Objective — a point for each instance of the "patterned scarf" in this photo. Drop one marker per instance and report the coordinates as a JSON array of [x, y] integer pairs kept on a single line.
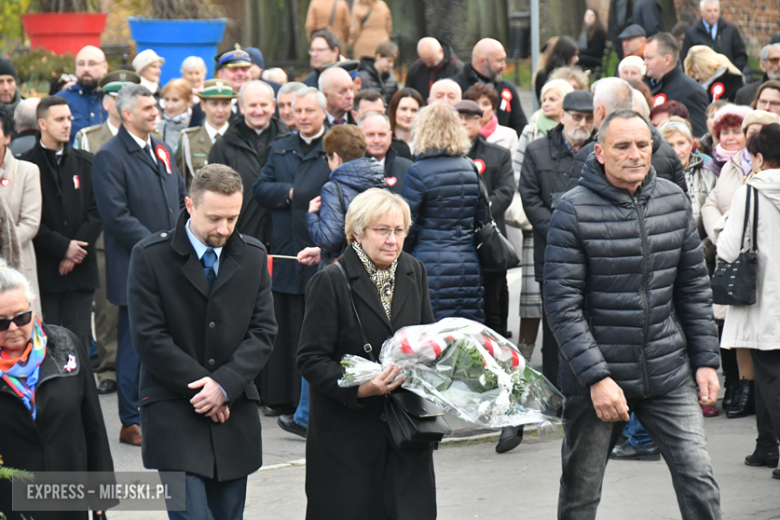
[[23, 378], [384, 280]]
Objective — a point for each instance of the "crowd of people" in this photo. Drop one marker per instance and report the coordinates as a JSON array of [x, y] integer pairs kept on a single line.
[[237, 235]]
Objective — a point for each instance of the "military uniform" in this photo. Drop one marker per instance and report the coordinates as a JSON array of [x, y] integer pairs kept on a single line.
[[92, 138]]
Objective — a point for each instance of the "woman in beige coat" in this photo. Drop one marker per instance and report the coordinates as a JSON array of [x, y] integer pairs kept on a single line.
[[20, 188], [372, 24], [320, 14]]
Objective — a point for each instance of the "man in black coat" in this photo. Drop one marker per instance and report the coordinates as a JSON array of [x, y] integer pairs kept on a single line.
[[294, 174], [138, 191], [436, 61], [770, 65], [70, 223], [621, 15], [245, 148], [488, 61], [668, 82], [649, 14], [203, 325], [615, 94], [718, 34], [325, 50], [628, 297], [379, 137], [546, 175]]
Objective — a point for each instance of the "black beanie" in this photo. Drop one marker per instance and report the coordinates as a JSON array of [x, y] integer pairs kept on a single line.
[[7, 68]]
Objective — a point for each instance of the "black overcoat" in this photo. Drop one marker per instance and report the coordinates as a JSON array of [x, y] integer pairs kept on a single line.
[[348, 440], [68, 433], [182, 332], [69, 213], [495, 166], [136, 198]]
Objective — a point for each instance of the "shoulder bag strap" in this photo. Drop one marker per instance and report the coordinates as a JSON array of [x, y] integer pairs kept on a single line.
[[365, 18], [746, 218], [755, 219], [333, 13], [341, 197], [366, 345]]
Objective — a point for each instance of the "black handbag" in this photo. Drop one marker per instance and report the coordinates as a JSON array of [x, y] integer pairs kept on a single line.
[[496, 254], [414, 421], [735, 283]]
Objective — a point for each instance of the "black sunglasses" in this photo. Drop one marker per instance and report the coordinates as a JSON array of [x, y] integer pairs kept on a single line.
[[20, 319]]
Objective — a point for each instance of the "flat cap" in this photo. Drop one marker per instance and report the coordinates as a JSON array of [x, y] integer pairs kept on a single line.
[[468, 107], [579, 101], [632, 31]]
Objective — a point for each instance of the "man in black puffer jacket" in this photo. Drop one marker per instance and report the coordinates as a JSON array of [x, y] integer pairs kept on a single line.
[[628, 298]]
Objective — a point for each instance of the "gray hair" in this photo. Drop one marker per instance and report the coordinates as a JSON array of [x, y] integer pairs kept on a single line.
[[373, 113], [613, 94], [765, 51], [620, 114], [191, 62], [705, 2], [319, 96], [670, 127], [291, 87], [447, 81], [127, 97], [274, 74], [24, 114], [639, 98], [11, 279], [256, 83], [328, 75]]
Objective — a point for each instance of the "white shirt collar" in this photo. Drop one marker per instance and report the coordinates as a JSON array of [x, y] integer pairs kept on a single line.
[[308, 140], [114, 130], [382, 162], [142, 144], [201, 248], [61, 150], [213, 132]]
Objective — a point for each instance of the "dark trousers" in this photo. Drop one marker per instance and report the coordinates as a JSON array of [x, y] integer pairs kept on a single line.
[[72, 310], [728, 360], [549, 348], [767, 381], [209, 499], [106, 317], [280, 381], [127, 371], [496, 301], [674, 422]]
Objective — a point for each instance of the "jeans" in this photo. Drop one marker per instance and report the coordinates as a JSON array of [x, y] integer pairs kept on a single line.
[[127, 371], [676, 424], [209, 499], [302, 412], [636, 433]]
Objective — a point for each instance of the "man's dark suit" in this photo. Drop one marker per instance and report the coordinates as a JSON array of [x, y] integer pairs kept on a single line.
[[136, 198], [184, 331]]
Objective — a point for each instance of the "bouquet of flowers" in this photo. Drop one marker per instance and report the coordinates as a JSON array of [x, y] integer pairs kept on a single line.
[[467, 369]]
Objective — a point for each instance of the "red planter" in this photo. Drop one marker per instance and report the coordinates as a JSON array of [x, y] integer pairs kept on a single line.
[[61, 33]]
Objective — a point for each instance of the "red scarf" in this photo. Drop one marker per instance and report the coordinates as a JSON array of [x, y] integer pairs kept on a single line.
[[490, 127]]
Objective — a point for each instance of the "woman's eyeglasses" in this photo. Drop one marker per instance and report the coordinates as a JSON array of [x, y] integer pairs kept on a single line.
[[20, 320], [386, 232]]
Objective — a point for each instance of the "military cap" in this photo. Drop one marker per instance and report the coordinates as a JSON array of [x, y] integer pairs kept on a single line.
[[216, 89], [113, 82], [236, 57]]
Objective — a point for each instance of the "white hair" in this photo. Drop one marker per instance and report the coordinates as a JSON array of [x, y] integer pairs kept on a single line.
[[191, 62], [319, 96], [765, 51], [447, 81], [613, 94], [258, 83], [24, 114], [639, 99], [371, 114], [331, 73], [274, 74], [11, 279], [705, 2], [291, 87], [632, 61]]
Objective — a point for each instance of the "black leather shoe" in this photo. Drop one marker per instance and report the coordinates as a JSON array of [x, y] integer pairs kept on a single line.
[[626, 451], [745, 400], [762, 458], [510, 438], [288, 424], [107, 386], [776, 474], [729, 398]]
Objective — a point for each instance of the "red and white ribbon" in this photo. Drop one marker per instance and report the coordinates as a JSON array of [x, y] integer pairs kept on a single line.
[[163, 155], [506, 101]]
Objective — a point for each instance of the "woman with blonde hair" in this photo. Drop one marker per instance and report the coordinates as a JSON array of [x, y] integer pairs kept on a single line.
[[372, 24], [719, 77], [442, 189]]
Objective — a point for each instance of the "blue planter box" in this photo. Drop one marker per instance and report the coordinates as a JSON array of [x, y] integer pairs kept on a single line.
[[176, 40]]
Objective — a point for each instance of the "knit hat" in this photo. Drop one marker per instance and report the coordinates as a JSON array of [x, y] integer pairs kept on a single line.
[[7, 68], [146, 58], [729, 115], [759, 117], [257, 56]]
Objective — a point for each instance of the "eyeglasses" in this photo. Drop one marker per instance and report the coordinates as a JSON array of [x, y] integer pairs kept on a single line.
[[386, 232], [89, 63], [763, 104], [20, 319], [318, 51], [579, 117], [773, 61]]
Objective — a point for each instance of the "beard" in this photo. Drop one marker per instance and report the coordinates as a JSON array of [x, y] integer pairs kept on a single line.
[[578, 136], [216, 241], [88, 83]]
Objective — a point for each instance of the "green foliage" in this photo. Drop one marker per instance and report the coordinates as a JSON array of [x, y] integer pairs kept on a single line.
[[11, 12], [38, 68], [176, 9], [64, 6]]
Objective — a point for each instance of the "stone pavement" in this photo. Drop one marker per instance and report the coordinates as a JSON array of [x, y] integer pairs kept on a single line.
[[475, 482]]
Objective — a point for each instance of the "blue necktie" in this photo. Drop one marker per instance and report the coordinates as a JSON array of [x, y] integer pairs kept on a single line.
[[208, 260]]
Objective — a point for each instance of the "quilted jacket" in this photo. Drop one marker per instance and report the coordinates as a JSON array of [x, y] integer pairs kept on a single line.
[[443, 194], [626, 289]]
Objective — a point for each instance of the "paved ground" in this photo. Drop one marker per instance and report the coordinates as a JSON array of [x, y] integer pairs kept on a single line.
[[475, 482]]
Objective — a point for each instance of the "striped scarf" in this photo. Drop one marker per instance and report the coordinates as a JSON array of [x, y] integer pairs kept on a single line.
[[384, 280], [22, 374]]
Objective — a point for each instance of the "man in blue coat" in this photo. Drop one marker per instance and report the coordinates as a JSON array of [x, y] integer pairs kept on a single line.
[[139, 191], [85, 98], [294, 174]]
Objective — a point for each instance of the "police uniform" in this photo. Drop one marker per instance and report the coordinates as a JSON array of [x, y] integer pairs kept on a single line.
[[192, 151]]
